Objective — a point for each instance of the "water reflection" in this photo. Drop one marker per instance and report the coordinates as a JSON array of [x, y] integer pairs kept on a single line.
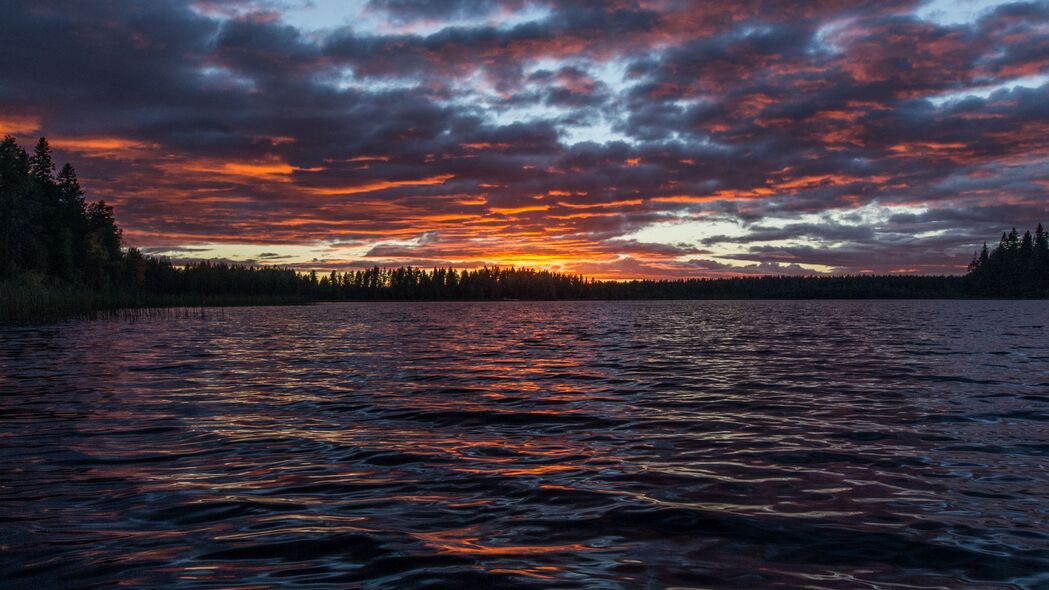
[[614, 445]]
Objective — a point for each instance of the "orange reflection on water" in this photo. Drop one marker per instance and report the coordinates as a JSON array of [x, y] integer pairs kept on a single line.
[[541, 572], [462, 541], [537, 470]]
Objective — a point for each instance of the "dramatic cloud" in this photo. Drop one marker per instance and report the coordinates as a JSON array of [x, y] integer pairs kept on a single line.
[[617, 138]]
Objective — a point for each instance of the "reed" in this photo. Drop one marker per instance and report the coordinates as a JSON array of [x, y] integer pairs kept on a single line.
[[27, 303]]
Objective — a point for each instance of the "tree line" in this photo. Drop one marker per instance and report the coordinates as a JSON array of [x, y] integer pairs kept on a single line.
[[46, 225], [494, 283], [53, 238], [1017, 267]]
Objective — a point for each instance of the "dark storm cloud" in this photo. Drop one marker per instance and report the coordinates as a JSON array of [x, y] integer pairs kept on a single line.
[[574, 29], [171, 249], [548, 140], [411, 10], [826, 232]]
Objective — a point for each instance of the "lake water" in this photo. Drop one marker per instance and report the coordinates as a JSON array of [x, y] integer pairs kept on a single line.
[[710, 444]]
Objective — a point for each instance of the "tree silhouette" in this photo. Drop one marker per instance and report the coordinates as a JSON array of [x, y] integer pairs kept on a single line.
[[48, 229], [16, 208], [41, 166], [1018, 267]]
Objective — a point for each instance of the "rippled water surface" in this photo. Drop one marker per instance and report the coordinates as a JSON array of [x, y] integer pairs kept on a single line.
[[559, 445]]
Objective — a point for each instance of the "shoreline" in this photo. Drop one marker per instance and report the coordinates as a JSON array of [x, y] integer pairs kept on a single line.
[[72, 305]]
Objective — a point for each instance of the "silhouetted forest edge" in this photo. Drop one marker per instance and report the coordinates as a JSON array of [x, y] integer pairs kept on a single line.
[[62, 256]]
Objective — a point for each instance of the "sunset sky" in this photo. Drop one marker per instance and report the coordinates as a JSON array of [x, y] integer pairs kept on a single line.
[[655, 138]]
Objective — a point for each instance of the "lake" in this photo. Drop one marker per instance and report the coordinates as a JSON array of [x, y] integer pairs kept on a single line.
[[710, 444]]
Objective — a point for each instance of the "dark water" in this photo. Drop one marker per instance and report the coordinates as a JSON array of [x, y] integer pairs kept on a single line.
[[558, 445]]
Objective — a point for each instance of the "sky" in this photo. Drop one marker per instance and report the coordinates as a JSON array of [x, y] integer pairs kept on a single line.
[[614, 138]]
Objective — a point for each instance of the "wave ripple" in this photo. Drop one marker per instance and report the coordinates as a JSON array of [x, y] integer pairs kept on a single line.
[[513, 445]]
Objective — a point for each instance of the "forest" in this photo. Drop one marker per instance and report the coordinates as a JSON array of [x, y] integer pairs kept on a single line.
[[1018, 267], [61, 254]]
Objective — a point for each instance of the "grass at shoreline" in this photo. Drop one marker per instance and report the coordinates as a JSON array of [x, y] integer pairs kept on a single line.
[[36, 302], [25, 304]]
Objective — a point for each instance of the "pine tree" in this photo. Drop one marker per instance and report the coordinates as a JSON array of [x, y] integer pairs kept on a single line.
[[1041, 260], [101, 245], [16, 210], [1026, 248], [1026, 281], [41, 166], [72, 219], [69, 190]]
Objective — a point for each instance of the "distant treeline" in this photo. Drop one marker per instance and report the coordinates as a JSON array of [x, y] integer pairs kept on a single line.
[[1018, 267], [496, 283], [60, 253]]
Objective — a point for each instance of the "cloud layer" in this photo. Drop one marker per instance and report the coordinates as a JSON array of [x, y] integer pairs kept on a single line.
[[652, 138]]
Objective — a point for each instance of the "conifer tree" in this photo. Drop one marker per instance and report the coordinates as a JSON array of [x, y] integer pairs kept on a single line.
[[41, 166], [69, 190], [15, 207], [1041, 259]]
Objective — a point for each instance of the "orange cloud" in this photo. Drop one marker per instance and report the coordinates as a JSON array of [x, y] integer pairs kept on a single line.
[[380, 185], [513, 210], [723, 195], [102, 147], [597, 205], [925, 147], [18, 124], [485, 146], [270, 168]]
